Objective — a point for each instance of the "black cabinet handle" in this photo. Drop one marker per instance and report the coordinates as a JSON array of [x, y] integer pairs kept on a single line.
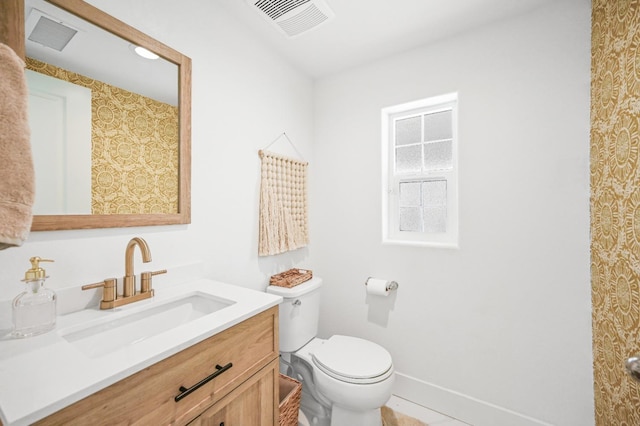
[[185, 392]]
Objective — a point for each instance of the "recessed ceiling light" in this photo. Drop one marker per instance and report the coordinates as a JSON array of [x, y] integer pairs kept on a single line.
[[145, 53]]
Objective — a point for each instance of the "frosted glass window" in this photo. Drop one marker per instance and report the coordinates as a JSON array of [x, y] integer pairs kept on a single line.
[[435, 219], [438, 155], [437, 126], [409, 130], [434, 193], [409, 159], [410, 194], [410, 219], [423, 206], [420, 173]]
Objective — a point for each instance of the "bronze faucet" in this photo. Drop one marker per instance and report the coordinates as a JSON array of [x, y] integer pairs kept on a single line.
[[129, 280], [110, 297]]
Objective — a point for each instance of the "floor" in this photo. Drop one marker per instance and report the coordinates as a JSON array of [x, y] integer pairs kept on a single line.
[[430, 417]]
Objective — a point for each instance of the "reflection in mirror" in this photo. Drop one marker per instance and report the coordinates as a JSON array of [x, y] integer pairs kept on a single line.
[[161, 166], [105, 139]]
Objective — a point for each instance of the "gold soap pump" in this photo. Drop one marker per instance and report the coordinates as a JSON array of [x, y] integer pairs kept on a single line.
[[34, 310]]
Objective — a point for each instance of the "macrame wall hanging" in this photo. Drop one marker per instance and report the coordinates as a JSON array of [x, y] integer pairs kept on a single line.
[[283, 203]]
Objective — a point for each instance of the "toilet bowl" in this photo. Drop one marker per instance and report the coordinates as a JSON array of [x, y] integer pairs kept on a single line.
[[345, 380], [353, 374]]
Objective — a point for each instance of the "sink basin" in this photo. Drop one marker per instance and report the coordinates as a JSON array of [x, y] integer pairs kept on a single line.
[[113, 334]]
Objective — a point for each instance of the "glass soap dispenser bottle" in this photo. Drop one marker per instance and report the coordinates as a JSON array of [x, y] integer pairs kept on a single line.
[[34, 310]]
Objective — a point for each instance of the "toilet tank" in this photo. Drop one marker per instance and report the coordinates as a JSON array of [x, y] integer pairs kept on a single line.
[[299, 313]]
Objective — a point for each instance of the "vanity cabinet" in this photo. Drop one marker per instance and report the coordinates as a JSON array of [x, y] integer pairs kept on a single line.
[[249, 404], [243, 392]]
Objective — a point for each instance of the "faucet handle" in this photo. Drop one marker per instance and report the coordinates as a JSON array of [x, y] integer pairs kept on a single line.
[[109, 292], [145, 280]]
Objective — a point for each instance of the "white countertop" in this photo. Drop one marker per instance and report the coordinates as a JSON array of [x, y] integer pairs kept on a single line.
[[43, 374]]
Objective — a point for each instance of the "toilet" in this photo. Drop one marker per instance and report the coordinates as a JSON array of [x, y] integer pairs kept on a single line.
[[345, 380]]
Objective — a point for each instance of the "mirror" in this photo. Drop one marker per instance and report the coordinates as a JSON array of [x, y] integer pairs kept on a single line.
[[101, 184]]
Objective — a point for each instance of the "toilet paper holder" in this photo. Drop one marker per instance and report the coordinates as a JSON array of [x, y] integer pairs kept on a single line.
[[391, 285]]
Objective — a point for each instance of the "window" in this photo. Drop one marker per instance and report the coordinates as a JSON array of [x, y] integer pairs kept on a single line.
[[420, 188]]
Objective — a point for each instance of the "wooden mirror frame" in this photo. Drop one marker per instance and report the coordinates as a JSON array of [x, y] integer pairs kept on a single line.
[[12, 34]]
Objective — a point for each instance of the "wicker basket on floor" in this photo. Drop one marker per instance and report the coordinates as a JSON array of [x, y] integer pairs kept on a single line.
[[290, 392], [291, 278]]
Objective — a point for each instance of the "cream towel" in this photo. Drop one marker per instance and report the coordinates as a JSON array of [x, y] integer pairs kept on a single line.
[[17, 181]]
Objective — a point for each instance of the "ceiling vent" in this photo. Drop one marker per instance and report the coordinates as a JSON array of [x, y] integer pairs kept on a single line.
[[48, 31], [293, 17]]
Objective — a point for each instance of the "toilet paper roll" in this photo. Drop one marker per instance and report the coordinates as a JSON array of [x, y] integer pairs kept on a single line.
[[377, 287]]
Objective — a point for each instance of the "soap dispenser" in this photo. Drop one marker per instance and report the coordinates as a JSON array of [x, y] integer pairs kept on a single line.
[[34, 310]]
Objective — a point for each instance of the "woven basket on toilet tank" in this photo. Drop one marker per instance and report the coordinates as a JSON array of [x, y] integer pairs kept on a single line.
[[291, 278]]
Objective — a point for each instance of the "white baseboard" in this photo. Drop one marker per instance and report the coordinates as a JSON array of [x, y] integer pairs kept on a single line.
[[455, 404]]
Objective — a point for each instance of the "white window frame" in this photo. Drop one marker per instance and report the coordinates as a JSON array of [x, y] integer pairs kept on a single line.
[[391, 233]]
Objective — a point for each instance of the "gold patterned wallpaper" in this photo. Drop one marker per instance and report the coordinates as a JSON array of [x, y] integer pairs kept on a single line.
[[134, 148], [615, 207]]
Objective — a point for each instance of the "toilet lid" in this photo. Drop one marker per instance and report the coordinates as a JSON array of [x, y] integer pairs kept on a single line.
[[353, 360]]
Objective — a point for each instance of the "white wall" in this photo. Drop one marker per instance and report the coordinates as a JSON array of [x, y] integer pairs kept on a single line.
[[243, 97], [497, 332]]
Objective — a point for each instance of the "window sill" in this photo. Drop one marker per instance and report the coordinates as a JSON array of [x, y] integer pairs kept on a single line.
[[426, 244]]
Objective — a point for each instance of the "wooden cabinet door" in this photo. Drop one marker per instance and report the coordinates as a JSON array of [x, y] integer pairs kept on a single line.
[[252, 403]]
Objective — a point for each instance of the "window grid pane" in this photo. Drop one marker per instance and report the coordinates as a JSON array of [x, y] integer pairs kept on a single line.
[[422, 206], [434, 132], [437, 126], [434, 193], [438, 155], [435, 219], [410, 194], [410, 219], [409, 159], [408, 131]]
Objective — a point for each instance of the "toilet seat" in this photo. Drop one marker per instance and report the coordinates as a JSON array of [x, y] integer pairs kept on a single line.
[[353, 360]]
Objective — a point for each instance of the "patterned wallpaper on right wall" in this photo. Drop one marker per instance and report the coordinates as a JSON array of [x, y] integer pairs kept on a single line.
[[615, 207]]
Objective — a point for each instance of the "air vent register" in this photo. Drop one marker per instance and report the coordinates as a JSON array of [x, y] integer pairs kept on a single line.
[[293, 17]]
